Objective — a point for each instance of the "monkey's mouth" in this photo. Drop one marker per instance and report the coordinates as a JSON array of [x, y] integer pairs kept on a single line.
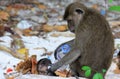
[[72, 28]]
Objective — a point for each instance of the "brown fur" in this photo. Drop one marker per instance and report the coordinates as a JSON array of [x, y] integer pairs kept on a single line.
[[94, 43]]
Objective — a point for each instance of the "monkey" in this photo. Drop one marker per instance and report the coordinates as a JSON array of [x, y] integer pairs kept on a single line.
[[63, 49], [93, 45], [42, 65]]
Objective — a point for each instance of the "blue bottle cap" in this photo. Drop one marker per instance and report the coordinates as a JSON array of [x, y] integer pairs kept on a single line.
[[65, 48], [103, 12]]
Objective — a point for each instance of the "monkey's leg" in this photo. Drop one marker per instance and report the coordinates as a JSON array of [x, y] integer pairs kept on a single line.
[[67, 59]]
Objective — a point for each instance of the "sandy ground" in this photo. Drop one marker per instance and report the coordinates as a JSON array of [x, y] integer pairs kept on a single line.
[[32, 42]]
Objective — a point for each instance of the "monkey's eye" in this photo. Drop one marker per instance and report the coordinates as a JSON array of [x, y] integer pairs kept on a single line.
[[79, 11]]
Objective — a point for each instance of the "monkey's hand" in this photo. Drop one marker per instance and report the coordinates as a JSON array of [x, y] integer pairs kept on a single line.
[[50, 72]]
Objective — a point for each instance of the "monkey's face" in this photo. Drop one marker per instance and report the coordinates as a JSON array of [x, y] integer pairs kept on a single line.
[[74, 19], [42, 65], [74, 14]]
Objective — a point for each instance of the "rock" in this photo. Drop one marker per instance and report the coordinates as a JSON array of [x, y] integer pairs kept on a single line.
[[38, 19], [24, 13], [24, 24]]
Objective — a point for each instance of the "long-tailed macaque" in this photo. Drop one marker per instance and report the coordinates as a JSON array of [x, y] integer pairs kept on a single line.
[[42, 65], [93, 45]]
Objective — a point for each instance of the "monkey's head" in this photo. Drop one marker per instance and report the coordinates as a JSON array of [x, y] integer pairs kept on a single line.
[[74, 13], [42, 65]]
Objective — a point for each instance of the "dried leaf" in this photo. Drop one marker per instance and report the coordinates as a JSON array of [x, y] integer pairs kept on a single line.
[[47, 53], [48, 28], [23, 51], [27, 32], [65, 34], [14, 8], [63, 73], [61, 28], [34, 63], [2, 30], [4, 15], [28, 65], [11, 77], [114, 23], [14, 11], [18, 31], [41, 6], [38, 48], [17, 43], [12, 52], [95, 6], [18, 6], [24, 66], [117, 71], [117, 35]]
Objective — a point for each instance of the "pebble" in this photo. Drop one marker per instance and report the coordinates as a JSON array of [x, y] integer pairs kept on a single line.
[[24, 24], [38, 19]]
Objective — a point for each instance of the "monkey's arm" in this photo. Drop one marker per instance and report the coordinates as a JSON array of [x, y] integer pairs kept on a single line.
[[67, 59]]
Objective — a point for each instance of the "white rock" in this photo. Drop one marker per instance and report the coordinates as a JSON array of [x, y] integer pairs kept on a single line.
[[24, 24]]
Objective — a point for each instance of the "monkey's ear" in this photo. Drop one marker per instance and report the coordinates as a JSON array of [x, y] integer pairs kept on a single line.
[[79, 11]]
